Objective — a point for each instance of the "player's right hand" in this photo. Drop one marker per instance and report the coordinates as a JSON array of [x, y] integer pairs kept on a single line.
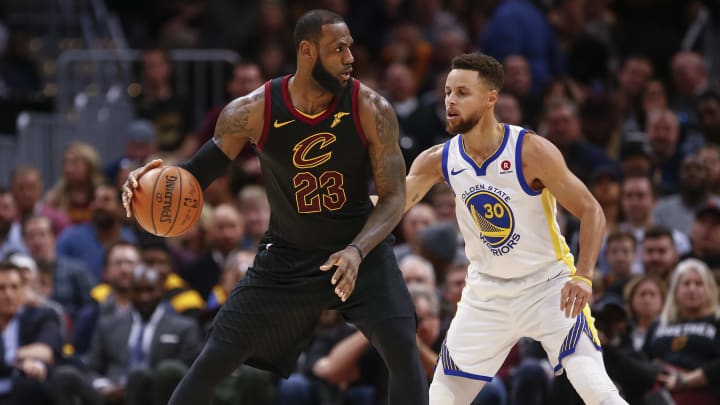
[[132, 182]]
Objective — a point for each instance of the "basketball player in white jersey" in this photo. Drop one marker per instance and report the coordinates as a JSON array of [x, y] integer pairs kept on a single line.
[[522, 279]]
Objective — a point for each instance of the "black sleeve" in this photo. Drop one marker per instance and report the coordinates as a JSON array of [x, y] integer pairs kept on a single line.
[[208, 163]]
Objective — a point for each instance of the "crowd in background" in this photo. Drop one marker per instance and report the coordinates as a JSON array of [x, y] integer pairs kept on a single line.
[[95, 310]]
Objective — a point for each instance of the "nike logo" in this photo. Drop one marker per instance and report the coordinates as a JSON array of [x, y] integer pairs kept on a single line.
[[456, 172], [337, 117], [277, 124]]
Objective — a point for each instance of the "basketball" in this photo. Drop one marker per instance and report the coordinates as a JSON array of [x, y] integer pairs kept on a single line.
[[167, 201]]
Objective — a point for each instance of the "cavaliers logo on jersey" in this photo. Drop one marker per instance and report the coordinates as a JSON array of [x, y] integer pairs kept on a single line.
[[313, 150], [495, 221]]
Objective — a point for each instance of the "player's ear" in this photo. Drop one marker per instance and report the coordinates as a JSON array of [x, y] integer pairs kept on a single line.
[[306, 49], [492, 97]]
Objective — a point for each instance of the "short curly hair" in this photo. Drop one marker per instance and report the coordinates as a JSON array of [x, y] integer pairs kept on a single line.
[[487, 67]]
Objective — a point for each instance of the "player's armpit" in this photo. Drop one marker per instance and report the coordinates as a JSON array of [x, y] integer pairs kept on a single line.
[[425, 171]]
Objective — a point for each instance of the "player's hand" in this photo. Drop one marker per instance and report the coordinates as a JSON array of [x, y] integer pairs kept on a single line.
[[573, 297], [132, 182], [346, 263]]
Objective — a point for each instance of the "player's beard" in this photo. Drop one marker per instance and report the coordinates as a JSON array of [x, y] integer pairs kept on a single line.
[[464, 125], [326, 79]]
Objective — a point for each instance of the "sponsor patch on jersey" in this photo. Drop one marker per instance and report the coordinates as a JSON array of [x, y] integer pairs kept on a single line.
[[505, 167]]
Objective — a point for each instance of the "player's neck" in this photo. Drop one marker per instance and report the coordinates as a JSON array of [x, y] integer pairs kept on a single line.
[[307, 96], [485, 137]]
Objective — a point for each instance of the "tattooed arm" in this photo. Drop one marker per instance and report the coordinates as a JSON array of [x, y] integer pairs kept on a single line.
[[380, 126], [241, 120]]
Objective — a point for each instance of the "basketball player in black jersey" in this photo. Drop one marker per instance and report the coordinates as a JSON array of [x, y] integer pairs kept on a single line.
[[319, 134]]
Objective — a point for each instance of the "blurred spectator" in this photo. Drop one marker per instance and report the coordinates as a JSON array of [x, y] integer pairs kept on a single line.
[[433, 18], [620, 250], [442, 199], [451, 290], [638, 201], [415, 220], [140, 145], [111, 297], [708, 113], [235, 268], [564, 130], [69, 282], [586, 57], [406, 46], [33, 293], [417, 271], [219, 191], [705, 236], [710, 157], [27, 188], [401, 92], [508, 110], [31, 343], [654, 96], [628, 368], [635, 158], [179, 298], [73, 192], [157, 101], [10, 230], [659, 254], [429, 335], [601, 124], [663, 136], [632, 77], [678, 210], [19, 71], [255, 209], [246, 77], [684, 342], [448, 43], [135, 357], [604, 184], [226, 230], [644, 297], [536, 42], [518, 83], [191, 244], [690, 80], [439, 244], [86, 242]]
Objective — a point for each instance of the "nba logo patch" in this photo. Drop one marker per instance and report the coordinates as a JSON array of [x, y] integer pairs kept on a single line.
[[505, 167]]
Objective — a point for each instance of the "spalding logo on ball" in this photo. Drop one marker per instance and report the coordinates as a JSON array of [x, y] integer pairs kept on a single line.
[[168, 201]]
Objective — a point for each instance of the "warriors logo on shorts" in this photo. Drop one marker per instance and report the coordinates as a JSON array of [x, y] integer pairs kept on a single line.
[[495, 221]]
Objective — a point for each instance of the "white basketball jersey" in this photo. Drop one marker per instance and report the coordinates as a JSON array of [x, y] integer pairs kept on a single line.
[[510, 230]]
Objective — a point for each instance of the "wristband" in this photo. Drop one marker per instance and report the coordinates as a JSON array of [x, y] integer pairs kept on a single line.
[[583, 279], [360, 252]]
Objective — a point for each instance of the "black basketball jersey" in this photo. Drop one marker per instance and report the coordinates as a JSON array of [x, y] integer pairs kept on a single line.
[[316, 170]]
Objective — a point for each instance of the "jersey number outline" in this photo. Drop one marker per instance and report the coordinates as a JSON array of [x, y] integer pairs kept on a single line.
[[309, 194]]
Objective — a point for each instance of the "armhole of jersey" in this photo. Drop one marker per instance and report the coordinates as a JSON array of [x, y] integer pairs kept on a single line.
[[518, 163], [445, 153], [266, 124], [356, 111]]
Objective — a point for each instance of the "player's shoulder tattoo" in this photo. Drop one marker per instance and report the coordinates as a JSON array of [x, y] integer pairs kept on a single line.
[[386, 123], [235, 119]]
